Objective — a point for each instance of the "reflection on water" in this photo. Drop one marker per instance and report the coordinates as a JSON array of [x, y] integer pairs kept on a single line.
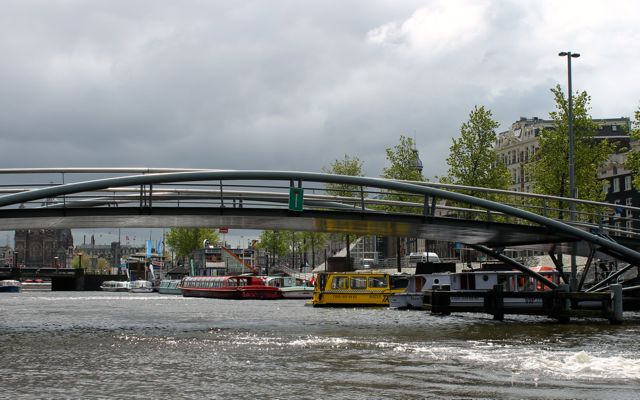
[[106, 345]]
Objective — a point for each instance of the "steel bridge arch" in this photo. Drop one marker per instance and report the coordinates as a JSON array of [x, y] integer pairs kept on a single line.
[[619, 251]]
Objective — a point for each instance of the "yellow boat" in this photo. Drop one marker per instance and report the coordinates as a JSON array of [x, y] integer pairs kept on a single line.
[[340, 289]]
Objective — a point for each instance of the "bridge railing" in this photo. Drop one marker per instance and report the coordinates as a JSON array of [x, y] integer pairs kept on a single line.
[[82, 188]]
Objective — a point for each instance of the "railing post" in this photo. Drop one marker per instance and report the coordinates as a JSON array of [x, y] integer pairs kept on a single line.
[[221, 195]]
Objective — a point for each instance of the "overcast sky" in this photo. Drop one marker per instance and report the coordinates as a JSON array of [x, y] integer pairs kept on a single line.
[[292, 85]]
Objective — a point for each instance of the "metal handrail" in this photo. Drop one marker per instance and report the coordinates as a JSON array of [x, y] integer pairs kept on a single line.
[[161, 181]]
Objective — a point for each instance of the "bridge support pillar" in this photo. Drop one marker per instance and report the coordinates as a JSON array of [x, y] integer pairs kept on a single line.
[[616, 303]]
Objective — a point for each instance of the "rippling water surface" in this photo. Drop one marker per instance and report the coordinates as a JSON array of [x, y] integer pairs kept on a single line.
[[105, 345]]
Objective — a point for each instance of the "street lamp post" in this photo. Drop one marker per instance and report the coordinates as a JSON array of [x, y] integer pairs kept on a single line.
[[79, 260], [572, 183]]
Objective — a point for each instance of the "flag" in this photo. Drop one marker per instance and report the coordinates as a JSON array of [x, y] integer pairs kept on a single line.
[[149, 245]]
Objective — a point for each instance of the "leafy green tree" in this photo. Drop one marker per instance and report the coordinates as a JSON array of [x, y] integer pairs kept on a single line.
[[313, 241], [473, 160], [550, 169], [351, 166], [102, 265], [294, 242], [86, 261], [185, 240], [633, 156], [403, 159], [274, 242], [403, 165]]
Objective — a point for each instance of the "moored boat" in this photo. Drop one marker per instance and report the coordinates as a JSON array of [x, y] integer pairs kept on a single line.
[[228, 287], [10, 286], [290, 287], [413, 295], [115, 286], [140, 286], [335, 289], [475, 281], [169, 286], [36, 284]]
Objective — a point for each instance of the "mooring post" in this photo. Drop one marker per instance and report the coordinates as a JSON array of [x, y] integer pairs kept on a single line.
[[560, 303], [497, 303], [616, 302]]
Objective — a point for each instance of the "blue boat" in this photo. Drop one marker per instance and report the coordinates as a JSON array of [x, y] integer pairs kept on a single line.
[[10, 286]]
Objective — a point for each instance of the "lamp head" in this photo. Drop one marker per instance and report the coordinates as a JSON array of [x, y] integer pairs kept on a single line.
[[563, 54]]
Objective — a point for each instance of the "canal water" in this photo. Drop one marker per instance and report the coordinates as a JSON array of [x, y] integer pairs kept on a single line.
[[94, 345]]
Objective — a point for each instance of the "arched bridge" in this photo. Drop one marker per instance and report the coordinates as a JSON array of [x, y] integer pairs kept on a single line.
[[306, 201]]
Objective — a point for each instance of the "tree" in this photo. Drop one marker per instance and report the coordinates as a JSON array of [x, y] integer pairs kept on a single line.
[[550, 169], [86, 261], [294, 241], [473, 160], [274, 242], [313, 241], [351, 166], [103, 265], [404, 165], [185, 240], [633, 156], [403, 159]]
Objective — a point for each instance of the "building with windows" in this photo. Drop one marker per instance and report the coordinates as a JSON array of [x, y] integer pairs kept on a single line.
[[6, 256], [112, 253], [619, 189], [516, 147], [42, 248]]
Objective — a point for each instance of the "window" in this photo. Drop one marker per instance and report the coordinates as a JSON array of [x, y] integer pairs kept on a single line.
[[339, 282], [378, 282], [358, 282], [627, 182], [614, 127], [616, 185]]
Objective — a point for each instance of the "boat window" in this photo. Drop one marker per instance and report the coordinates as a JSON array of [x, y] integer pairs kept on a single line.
[[400, 283], [378, 282], [339, 282], [358, 282]]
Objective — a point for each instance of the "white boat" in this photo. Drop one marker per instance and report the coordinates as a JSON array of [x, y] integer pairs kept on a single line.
[[481, 281], [10, 286], [290, 287], [413, 296], [140, 286], [170, 286], [115, 286]]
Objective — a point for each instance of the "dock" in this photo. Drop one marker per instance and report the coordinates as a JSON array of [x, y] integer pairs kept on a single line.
[[560, 303]]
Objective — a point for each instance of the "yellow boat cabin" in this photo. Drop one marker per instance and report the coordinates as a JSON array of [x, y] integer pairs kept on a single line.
[[336, 289]]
